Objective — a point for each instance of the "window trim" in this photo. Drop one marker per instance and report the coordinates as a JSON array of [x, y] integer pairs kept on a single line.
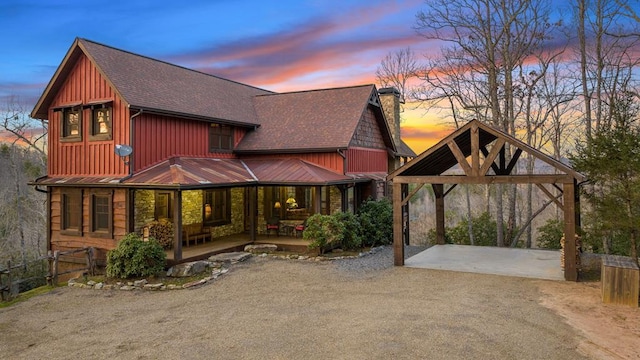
[[64, 128], [71, 230], [226, 211], [169, 195], [101, 233], [93, 125], [216, 133]]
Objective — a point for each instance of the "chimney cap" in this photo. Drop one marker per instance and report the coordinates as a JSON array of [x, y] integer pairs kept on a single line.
[[389, 90]]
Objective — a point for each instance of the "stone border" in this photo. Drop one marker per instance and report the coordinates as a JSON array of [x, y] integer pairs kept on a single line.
[[220, 264]]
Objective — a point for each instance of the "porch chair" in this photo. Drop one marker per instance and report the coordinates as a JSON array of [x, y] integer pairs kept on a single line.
[[299, 228], [273, 224]]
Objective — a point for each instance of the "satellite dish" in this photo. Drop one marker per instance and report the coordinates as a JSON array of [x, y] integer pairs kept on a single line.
[[123, 150]]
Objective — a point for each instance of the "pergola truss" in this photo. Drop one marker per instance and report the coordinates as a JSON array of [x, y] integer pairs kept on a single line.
[[481, 152]]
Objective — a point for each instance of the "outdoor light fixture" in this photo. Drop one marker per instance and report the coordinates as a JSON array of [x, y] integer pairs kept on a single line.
[[277, 205], [291, 203]]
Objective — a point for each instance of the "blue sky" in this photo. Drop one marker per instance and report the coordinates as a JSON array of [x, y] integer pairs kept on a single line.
[[278, 45]]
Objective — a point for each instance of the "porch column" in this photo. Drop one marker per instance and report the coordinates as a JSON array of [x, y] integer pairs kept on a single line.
[[570, 269], [405, 214], [398, 245], [317, 205], [253, 214], [438, 190], [177, 225]]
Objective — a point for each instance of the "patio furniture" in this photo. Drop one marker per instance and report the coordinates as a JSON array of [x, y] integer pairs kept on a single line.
[[273, 224], [195, 232], [299, 228]]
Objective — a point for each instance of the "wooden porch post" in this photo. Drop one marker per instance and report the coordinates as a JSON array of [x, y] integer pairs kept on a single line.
[[405, 214], [177, 226], [253, 214], [398, 245], [570, 270], [438, 190]]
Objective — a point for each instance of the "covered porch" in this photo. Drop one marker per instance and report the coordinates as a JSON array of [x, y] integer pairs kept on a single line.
[[221, 205]]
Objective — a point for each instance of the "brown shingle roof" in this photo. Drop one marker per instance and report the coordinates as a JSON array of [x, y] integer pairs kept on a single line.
[[307, 120], [162, 87], [404, 150]]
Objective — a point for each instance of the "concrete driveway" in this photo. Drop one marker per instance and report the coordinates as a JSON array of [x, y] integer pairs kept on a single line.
[[529, 263]]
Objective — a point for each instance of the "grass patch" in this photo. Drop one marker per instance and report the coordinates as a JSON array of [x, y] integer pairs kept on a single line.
[[27, 295]]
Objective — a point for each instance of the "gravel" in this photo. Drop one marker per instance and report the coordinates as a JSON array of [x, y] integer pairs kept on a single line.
[[378, 258], [268, 308]]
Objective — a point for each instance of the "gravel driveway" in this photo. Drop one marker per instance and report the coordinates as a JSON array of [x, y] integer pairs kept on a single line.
[[269, 308]]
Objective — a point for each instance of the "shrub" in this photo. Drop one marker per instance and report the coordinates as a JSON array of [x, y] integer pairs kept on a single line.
[[351, 239], [162, 231], [135, 258], [485, 231], [324, 231], [376, 222], [550, 234]]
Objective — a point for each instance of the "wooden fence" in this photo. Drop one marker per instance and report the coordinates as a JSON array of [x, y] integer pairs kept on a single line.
[[8, 281]]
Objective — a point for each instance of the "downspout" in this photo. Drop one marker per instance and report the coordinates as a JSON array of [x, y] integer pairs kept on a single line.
[[38, 189], [131, 137]]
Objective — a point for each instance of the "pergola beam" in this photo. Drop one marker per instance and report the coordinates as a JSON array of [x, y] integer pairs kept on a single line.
[[489, 179]]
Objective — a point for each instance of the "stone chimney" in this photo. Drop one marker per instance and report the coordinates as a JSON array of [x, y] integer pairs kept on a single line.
[[390, 98]]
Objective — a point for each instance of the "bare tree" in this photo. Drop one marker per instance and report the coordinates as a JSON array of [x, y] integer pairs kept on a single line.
[[485, 43], [397, 69]]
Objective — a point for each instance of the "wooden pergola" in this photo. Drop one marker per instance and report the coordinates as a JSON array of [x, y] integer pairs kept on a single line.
[[486, 148]]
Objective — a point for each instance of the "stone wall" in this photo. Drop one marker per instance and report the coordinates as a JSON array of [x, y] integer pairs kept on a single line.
[[191, 207], [335, 199], [144, 210], [237, 216]]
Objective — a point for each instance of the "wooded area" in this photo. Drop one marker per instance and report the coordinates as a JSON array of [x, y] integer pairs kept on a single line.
[[522, 68]]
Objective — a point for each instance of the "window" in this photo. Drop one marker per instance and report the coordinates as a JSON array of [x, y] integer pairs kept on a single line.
[[164, 208], [101, 123], [220, 138], [216, 207], [71, 222], [71, 123], [101, 214]]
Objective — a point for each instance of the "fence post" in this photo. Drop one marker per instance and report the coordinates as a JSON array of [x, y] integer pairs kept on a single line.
[[10, 283], [89, 256], [56, 256], [50, 272]]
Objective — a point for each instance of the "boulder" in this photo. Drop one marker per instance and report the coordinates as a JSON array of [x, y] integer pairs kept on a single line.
[[261, 248], [188, 269], [232, 257]]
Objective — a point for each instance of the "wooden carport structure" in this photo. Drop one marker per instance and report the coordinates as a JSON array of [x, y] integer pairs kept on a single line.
[[487, 149]]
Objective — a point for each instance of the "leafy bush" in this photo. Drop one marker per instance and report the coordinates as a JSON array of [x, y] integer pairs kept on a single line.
[[324, 231], [162, 231], [485, 231], [135, 258], [550, 234], [351, 239], [376, 222]]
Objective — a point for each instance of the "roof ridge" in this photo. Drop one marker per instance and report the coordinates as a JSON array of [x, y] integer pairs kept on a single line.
[[316, 90], [172, 64]]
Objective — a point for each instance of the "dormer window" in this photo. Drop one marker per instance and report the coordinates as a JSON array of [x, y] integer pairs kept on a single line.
[[72, 123], [220, 138]]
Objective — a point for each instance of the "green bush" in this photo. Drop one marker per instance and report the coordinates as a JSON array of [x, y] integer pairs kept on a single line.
[[485, 231], [135, 258], [550, 234], [351, 239], [376, 222], [324, 231]]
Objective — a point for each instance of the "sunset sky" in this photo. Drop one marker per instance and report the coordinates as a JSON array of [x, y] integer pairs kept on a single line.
[[282, 45]]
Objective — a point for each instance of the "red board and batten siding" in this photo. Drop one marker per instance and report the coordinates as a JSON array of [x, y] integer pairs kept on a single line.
[[363, 160], [86, 157], [158, 138], [332, 161]]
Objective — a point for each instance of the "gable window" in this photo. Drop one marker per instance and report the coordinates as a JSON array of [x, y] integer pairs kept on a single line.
[[101, 123], [216, 207], [220, 138], [101, 213], [72, 123], [71, 214]]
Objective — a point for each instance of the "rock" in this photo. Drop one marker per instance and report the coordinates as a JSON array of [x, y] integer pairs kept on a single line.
[[188, 269], [153, 286], [107, 287], [98, 286], [303, 257], [91, 282], [193, 283], [127, 288], [72, 281], [129, 283], [140, 283], [232, 257], [263, 248], [173, 287]]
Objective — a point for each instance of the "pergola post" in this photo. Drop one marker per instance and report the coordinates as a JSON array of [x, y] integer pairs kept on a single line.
[[438, 190], [570, 268], [398, 245]]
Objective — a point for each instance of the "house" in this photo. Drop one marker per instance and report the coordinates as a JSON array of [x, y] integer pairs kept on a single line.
[[133, 140]]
